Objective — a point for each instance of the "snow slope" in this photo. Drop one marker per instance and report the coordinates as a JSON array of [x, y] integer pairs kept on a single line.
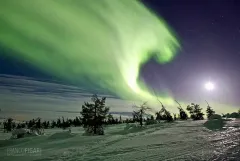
[[183, 140]]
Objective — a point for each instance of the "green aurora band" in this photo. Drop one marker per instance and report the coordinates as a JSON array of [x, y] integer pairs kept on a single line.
[[96, 43]]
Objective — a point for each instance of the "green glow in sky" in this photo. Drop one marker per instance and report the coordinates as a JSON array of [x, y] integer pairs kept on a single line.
[[96, 43]]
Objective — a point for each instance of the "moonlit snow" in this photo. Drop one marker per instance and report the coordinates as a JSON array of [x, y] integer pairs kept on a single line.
[[181, 140]]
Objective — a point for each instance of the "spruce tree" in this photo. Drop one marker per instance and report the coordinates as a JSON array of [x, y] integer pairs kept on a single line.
[[158, 116], [94, 114], [163, 114], [53, 124], [195, 111], [110, 120], [167, 116], [8, 125], [209, 112], [38, 123], [59, 124], [182, 114], [120, 119], [175, 116], [152, 117]]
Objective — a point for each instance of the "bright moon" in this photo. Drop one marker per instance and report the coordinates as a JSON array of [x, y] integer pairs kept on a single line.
[[209, 86]]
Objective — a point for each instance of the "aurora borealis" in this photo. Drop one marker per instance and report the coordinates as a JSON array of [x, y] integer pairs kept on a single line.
[[122, 48], [99, 44]]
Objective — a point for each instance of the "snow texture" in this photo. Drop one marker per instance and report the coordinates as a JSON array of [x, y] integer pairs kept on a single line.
[[180, 141]]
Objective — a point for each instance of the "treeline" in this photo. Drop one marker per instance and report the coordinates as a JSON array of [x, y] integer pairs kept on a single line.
[[9, 124], [141, 114], [95, 115]]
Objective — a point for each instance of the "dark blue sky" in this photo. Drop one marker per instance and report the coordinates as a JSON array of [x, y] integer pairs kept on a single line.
[[209, 32]]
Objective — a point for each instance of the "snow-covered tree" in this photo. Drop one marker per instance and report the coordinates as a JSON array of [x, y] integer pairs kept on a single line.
[[8, 125]]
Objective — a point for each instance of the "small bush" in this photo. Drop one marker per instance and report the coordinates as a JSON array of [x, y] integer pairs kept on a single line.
[[215, 117], [20, 136], [214, 124], [90, 130], [151, 122]]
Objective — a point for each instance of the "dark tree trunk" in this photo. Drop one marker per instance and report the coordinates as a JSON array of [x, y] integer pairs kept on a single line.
[[95, 115]]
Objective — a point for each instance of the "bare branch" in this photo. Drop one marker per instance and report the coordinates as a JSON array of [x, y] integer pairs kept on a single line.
[[134, 105], [178, 103], [207, 102], [144, 103], [157, 98]]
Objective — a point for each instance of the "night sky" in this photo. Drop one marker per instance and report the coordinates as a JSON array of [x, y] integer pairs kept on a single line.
[[209, 33]]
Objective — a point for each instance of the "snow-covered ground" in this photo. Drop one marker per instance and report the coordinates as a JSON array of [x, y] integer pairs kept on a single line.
[[183, 140]]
